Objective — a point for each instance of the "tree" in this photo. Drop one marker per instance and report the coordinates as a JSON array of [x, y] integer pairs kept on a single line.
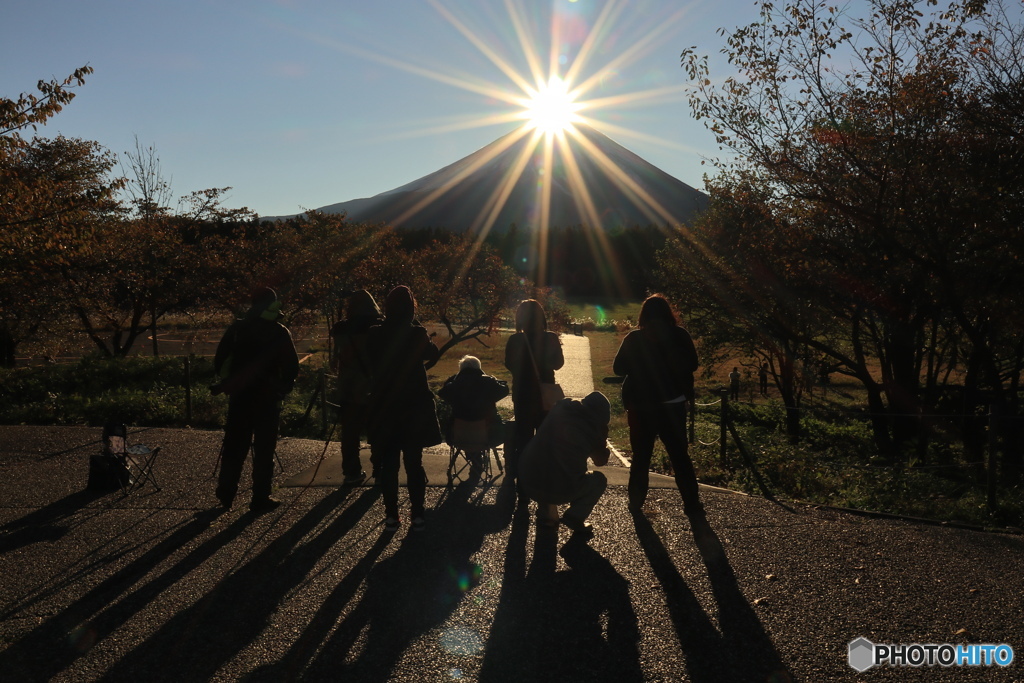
[[31, 110], [464, 285], [149, 196], [867, 135], [46, 190], [740, 275], [136, 266], [55, 193]]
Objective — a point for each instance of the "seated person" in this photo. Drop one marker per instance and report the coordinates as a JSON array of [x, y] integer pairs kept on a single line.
[[473, 396], [553, 469]]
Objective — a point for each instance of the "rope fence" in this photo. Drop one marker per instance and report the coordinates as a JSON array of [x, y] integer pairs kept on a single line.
[[929, 421]]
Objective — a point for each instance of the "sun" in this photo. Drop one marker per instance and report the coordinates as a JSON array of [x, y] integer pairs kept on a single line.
[[551, 108]]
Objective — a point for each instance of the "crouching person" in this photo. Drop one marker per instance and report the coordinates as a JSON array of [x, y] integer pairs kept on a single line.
[[553, 469]]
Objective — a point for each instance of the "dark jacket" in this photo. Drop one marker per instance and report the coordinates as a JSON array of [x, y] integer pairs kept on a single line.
[[554, 463], [473, 396], [256, 354], [658, 363], [351, 360], [401, 403], [527, 373]]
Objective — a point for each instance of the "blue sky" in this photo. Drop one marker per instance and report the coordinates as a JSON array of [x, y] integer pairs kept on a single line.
[[299, 104]]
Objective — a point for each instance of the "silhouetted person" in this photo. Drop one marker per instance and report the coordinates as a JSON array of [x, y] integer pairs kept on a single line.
[[355, 380], [734, 384], [762, 379], [658, 361], [553, 466], [532, 355], [824, 376], [403, 416], [258, 365], [473, 396]]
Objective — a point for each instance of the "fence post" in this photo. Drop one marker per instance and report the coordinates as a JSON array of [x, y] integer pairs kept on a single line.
[[723, 393], [993, 438], [323, 401], [188, 389]]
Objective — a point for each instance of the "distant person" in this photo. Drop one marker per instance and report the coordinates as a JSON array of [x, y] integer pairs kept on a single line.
[[658, 361], [553, 468], [762, 379], [532, 355], [473, 397], [402, 414], [734, 384], [351, 362], [258, 365], [824, 376]]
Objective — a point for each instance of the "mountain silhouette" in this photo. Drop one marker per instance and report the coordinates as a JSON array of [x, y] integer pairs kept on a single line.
[[497, 186]]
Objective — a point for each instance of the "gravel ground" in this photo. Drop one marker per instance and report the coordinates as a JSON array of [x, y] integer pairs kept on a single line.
[[155, 586]]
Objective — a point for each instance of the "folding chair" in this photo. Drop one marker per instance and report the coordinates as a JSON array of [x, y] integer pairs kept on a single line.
[[140, 466], [137, 460], [470, 437]]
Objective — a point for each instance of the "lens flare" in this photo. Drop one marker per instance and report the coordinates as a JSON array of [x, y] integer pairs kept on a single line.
[[462, 641]]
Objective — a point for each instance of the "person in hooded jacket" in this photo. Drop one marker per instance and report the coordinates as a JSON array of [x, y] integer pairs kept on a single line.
[[257, 362], [351, 362], [658, 361], [402, 417], [553, 467]]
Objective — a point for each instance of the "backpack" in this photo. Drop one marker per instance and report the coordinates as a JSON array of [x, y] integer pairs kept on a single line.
[[108, 469]]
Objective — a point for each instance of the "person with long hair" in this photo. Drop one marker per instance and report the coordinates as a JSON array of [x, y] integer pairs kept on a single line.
[[351, 362], [658, 361], [402, 413], [532, 355]]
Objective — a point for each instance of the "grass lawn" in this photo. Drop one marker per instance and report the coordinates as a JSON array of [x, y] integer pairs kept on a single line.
[[619, 313]]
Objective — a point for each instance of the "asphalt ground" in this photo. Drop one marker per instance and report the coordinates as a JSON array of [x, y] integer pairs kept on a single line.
[[156, 585]]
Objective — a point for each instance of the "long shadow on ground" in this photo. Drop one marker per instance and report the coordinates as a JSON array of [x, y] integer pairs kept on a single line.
[[577, 624], [69, 634], [195, 642], [713, 654], [411, 592], [49, 523]]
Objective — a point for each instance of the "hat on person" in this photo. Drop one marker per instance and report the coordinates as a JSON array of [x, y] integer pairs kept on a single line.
[[263, 297], [265, 304], [598, 405], [362, 302]]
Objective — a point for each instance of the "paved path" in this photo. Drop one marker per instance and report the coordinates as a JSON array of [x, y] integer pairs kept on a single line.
[[575, 377], [155, 586]]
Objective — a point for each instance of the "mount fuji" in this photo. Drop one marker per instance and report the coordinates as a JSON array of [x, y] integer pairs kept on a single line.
[[497, 186]]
